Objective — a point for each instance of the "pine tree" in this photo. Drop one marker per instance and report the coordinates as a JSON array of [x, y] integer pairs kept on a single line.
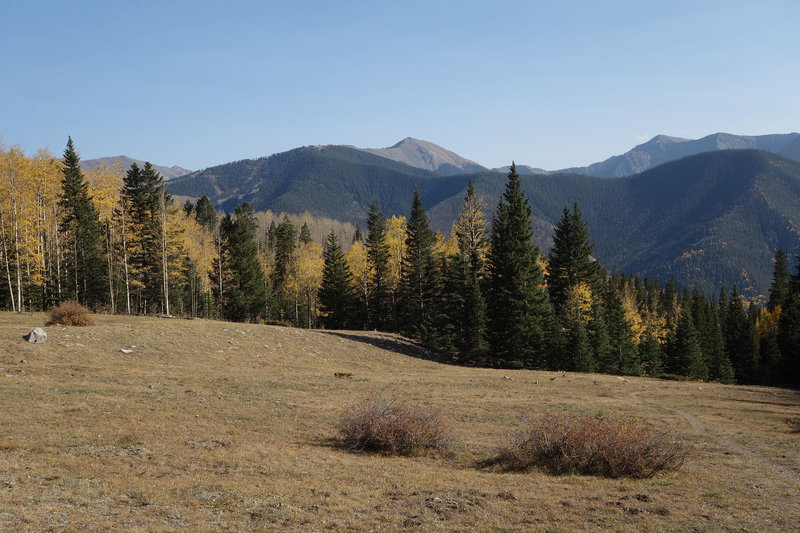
[[419, 283], [80, 223], [741, 341], [305, 234], [378, 259], [789, 333], [336, 294], [204, 213], [619, 333], [520, 316], [285, 245], [650, 354], [779, 290], [685, 356], [570, 259], [244, 298], [464, 301]]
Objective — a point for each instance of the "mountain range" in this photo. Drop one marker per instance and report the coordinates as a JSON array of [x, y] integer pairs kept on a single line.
[[125, 162], [707, 219]]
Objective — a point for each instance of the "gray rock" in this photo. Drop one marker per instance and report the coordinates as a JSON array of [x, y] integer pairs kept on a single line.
[[37, 335]]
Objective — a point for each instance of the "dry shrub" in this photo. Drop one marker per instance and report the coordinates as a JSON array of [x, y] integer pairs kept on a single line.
[[392, 426], [70, 313], [591, 445], [794, 424]]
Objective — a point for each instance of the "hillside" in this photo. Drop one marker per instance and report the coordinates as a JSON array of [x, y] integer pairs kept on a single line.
[[662, 149], [210, 425], [427, 156], [707, 219], [125, 162]]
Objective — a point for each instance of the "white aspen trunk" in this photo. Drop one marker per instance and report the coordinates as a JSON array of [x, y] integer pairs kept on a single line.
[[164, 261], [15, 224], [125, 262], [110, 255], [7, 261], [58, 250]]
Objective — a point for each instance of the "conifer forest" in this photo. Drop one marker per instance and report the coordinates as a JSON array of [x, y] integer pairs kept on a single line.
[[117, 242]]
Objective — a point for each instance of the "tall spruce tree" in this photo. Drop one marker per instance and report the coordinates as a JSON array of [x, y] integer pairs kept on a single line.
[[741, 341], [620, 335], [789, 333], [284, 246], [244, 298], [779, 289], [336, 293], [465, 304], [378, 258], [570, 262], [419, 284], [685, 356], [520, 315], [80, 224]]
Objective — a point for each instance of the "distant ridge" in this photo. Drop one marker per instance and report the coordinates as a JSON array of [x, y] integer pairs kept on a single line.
[[663, 148], [426, 155], [125, 162]]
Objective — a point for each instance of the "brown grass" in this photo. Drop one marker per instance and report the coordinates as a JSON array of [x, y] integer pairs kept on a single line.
[[211, 426], [69, 313], [393, 426], [794, 423], [607, 446]]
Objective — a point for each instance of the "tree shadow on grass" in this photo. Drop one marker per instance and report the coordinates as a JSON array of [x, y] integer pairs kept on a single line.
[[395, 344]]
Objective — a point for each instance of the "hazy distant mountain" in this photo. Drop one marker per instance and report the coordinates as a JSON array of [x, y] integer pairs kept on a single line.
[[428, 156], [711, 218], [522, 170], [125, 162], [662, 148]]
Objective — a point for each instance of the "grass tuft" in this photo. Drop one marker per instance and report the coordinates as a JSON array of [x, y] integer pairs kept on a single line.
[[70, 313], [794, 424], [591, 445], [393, 426]]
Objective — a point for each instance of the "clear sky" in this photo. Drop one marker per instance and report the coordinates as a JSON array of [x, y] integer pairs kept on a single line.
[[549, 84]]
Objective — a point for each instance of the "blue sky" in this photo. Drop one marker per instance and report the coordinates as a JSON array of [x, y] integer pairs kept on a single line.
[[549, 84]]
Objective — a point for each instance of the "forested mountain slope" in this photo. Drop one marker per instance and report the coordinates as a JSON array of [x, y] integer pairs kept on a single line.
[[708, 219]]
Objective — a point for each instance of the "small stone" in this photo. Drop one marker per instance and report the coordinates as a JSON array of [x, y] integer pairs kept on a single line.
[[37, 335], [123, 350], [23, 361]]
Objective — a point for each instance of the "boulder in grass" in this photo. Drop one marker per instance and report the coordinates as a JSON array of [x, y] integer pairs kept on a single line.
[[37, 335]]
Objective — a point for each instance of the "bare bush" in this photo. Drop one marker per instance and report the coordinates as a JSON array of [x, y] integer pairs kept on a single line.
[[392, 426], [794, 424], [591, 445], [70, 313]]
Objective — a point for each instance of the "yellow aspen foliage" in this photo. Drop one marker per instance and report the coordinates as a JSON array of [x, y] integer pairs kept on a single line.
[[768, 321], [632, 314], [360, 268], [580, 301], [396, 241], [105, 187]]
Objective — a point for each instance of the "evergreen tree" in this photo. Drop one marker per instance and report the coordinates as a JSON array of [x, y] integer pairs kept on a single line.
[[719, 364], [779, 290], [420, 276], [570, 259], [520, 317], [357, 236], [378, 259], [305, 234], [685, 356], [602, 351], [245, 297], [284, 244], [741, 341], [464, 302], [650, 355], [80, 223], [204, 213], [789, 333], [619, 333], [336, 293]]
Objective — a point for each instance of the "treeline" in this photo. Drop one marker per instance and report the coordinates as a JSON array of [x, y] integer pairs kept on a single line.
[[117, 242]]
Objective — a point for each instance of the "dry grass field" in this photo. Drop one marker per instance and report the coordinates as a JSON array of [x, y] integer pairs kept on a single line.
[[209, 426]]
